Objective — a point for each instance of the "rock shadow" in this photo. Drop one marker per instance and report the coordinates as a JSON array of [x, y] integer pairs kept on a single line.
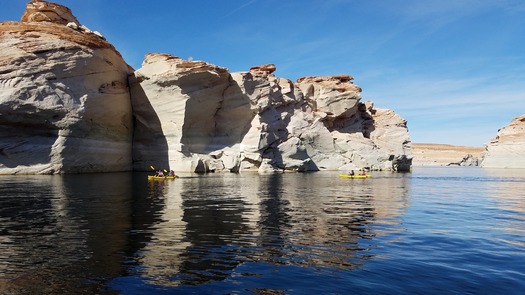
[[358, 120], [27, 136], [150, 147], [214, 123], [17, 144]]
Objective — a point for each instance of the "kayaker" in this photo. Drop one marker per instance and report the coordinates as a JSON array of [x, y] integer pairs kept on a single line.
[[352, 173], [363, 172], [172, 173], [160, 173]]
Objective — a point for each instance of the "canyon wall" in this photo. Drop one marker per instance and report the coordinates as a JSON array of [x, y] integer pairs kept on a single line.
[[69, 103], [507, 149], [197, 117], [64, 101]]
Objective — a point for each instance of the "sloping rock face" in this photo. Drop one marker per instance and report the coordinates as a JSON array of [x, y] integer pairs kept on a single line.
[[64, 102], [194, 116], [507, 149]]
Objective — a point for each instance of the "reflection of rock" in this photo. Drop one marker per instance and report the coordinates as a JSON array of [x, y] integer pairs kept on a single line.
[[162, 259], [184, 234], [216, 121], [327, 231], [507, 194], [64, 100], [198, 237], [63, 237], [507, 149]]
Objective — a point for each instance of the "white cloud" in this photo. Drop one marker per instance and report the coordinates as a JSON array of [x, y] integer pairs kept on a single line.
[[237, 9]]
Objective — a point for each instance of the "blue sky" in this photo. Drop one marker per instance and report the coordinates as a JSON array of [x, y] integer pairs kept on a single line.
[[454, 69]]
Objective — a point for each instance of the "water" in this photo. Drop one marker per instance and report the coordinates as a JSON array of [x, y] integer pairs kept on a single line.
[[432, 231]]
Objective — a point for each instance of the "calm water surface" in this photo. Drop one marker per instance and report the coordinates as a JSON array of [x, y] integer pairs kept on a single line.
[[432, 231]]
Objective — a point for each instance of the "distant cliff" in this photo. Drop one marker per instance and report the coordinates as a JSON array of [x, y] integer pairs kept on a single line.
[[426, 154], [507, 149], [69, 103]]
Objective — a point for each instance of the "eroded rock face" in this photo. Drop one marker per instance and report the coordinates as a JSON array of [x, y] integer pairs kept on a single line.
[[41, 11], [194, 116], [507, 149], [66, 107], [176, 107], [64, 100]]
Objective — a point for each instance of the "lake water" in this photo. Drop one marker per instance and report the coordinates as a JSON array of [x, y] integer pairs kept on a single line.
[[432, 231]]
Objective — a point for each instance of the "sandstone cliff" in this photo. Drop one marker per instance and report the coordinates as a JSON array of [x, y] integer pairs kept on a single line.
[[194, 116], [69, 103], [64, 101], [507, 149]]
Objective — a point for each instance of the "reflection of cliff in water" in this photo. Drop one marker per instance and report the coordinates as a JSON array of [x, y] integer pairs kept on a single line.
[[60, 234], [208, 226], [199, 233], [323, 221], [508, 185], [158, 230]]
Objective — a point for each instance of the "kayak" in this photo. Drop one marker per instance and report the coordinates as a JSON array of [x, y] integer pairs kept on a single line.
[[354, 176], [153, 177]]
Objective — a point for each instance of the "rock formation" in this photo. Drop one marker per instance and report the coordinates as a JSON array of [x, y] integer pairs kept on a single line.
[[426, 154], [507, 149], [194, 116], [41, 11], [69, 103], [64, 100]]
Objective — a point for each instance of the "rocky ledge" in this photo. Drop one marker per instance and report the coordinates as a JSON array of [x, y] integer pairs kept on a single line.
[[507, 149], [69, 103]]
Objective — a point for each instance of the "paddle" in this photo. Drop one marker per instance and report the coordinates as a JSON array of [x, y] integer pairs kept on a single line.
[[165, 171], [153, 168]]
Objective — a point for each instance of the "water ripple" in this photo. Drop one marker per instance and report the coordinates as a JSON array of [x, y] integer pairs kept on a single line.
[[432, 231]]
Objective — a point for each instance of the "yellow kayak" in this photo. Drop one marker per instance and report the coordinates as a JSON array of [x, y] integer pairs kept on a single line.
[[153, 177], [354, 176]]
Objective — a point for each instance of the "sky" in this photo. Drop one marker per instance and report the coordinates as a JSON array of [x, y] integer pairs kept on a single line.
[[454, 69]]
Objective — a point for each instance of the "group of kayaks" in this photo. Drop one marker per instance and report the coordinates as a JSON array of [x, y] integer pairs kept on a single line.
[[170, 177], [355, 176], [159, 175], [155, 177]]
